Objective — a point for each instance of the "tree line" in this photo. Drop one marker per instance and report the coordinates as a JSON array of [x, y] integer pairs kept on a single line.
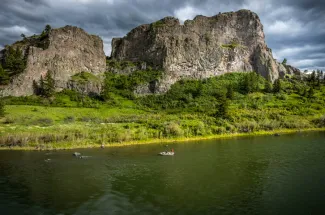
[[14, 61]]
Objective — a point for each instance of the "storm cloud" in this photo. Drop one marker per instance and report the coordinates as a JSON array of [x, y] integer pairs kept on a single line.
[[294, 29]]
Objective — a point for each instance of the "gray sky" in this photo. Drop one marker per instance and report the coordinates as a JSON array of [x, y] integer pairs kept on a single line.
[[294, 29]]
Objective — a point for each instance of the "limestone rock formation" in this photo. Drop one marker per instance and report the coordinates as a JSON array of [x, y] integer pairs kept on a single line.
[[65, 52], [86, 83], [293, 71], [201, 48]]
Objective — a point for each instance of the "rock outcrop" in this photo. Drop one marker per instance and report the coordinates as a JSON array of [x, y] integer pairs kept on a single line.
[[65, 52], [86, 84], [201, 48]]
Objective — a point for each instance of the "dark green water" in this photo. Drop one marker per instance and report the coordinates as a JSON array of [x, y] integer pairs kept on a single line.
[[257, 175]]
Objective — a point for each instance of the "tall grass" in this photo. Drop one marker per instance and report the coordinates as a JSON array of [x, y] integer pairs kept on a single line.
[[188, 110]]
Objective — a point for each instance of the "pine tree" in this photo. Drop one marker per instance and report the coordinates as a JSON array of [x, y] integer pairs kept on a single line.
[[284, 62], [318, 78], [305, 93], [19, 62], [15, 62], [10, 59], [230, 92], [2, 108], [47, 29], [49, 85], [36, 89], [41, 87], [312, 78], [267, 86], [277, 86], [222, 107], [46, 32], [250, 83], [4, 77], [311, 93]]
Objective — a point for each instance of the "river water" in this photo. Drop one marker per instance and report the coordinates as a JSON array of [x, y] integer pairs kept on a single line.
[[251, 175]]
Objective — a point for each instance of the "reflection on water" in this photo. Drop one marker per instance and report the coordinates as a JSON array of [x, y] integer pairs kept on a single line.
[[258, 175]]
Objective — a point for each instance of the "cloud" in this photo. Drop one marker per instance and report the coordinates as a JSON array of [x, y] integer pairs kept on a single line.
[[185, 13], [298, 51], [294, 29], [290, 27], [16, 30]]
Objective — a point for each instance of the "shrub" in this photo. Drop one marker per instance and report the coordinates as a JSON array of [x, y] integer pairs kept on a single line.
[[269, 124], [294, 123], [35, 110], [282, 96], [158, 24], [69, 119], [320, 121], [218, 130], [8, 120], [90, 119], [251, 83], [247, 126], [44, 122], [173, 129]]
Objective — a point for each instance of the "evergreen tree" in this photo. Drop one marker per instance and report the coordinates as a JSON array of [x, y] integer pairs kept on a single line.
[[230, 92], [15, 62], [36, 89], [2, 108], [250, 83], [10, 59], [284, 62], [277, 86], [19, 62], [49, 85], [311, 93], [312, 78], [46, 32], [47, 29], [4, 77], [41, 87], [267, 86], [222, 107], [305, 93], [318, 78]]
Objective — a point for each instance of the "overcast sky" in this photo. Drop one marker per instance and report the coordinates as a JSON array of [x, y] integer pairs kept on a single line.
[[294, 29]]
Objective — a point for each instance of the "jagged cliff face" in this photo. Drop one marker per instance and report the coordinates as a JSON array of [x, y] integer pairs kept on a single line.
[[201, 48], [66, 52]]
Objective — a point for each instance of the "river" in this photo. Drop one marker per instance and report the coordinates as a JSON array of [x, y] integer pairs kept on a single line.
[[251, 175]]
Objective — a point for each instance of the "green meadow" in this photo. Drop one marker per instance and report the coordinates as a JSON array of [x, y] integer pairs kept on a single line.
[[229, 105]]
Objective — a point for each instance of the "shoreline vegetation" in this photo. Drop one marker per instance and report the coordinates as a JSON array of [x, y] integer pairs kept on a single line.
[[123, 106], [86, 144], [229, 105]]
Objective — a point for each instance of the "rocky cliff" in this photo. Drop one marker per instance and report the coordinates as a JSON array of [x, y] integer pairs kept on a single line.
[[65, 52], [200, 48]]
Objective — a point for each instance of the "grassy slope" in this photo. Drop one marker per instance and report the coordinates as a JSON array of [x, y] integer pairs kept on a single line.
[[30, 126]]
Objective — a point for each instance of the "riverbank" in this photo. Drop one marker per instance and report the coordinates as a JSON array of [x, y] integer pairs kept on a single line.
[[193, 110], [87, 144]]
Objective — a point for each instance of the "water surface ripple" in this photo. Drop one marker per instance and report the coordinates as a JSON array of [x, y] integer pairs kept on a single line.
[[253, 175]]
